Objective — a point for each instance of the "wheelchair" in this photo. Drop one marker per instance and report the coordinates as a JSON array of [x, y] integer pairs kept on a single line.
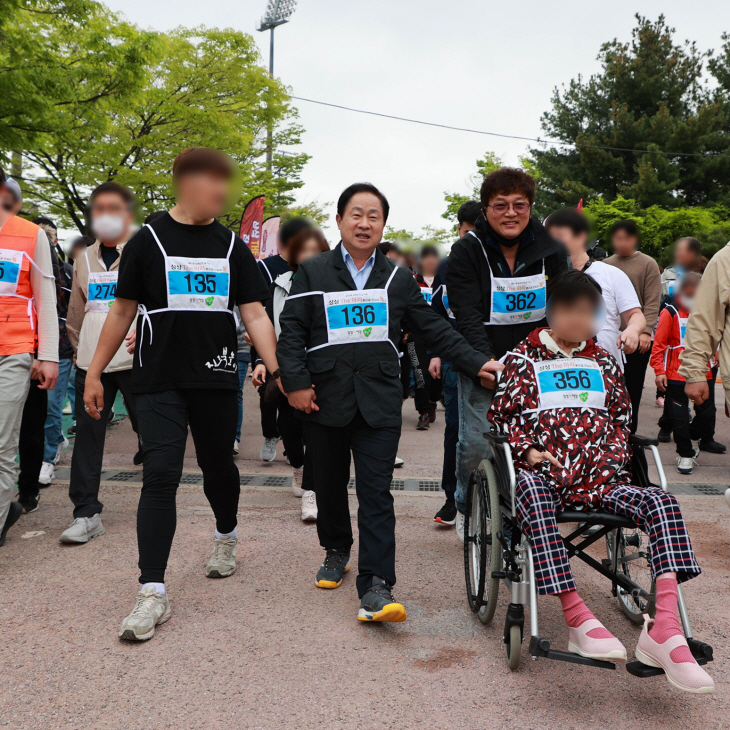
[[496, 551]]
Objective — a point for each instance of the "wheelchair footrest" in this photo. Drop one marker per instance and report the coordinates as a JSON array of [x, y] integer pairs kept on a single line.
[[540, 647], [700, 651]]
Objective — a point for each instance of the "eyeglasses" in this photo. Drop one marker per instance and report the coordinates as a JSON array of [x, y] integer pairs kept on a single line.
[[502, 208]]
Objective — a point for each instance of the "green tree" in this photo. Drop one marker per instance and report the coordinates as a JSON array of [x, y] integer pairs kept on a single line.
[[200, 87], [60, 59], [649, 95]]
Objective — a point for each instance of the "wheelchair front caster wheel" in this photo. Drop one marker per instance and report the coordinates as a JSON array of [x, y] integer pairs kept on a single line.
[[514, 647]]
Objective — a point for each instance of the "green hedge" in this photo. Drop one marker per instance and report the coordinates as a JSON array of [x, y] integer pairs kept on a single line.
[[660, 227]]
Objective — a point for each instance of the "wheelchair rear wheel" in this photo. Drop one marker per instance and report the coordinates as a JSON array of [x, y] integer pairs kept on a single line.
[[482, 552], [632, 559], [475, 558]]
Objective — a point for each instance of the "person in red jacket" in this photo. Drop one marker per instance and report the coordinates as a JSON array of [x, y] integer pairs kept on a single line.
[[564, 406], [665, 361]]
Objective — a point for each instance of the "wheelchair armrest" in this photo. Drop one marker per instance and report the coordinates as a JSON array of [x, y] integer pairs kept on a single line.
[[643, 441], [495, 436]]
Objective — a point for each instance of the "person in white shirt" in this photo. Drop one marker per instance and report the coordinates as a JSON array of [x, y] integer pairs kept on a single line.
[[622, 305]]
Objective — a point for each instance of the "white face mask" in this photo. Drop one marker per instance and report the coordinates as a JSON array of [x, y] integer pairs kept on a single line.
[[687, 302], [108, 227]]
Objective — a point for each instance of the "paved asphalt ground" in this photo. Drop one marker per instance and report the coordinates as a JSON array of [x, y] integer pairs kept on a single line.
[[266, 649]]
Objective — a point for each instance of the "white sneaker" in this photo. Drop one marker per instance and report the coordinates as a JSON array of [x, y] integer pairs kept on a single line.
[[61, 448], [268, 450], [67, 409], [696, 447], [398, 462], [460, 526], [296, 482], [47, 472], [236, 447], [152, 609], [83, 529], [685, 464], [222, 562], [309, 506], [727, 496]]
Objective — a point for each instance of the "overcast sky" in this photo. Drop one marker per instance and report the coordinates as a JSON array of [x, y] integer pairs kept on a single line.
[[482, 65]]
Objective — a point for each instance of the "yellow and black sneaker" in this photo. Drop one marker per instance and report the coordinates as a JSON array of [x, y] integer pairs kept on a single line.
[[378, 604], [332, 571]]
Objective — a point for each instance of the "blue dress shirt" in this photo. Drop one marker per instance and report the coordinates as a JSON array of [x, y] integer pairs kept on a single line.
[[359, 276]]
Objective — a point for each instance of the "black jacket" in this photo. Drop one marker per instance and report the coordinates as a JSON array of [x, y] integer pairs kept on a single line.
[[469, 285], [364, 376]]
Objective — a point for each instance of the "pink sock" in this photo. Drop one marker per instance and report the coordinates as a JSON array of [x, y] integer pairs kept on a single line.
[[666, 621], [577, 613]]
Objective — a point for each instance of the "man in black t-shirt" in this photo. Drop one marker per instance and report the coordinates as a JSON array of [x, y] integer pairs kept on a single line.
[[184, 272]]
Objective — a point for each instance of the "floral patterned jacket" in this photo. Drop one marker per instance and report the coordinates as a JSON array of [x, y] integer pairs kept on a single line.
[[592, 445]]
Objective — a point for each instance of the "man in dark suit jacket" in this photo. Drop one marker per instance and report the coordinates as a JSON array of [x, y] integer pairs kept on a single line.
[[338, 360]]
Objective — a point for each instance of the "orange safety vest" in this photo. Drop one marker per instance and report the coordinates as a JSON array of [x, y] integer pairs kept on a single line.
[[18, 329]]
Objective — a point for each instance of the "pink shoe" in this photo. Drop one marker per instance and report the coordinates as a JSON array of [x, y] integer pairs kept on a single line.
[[602, 645], [660, 402], [682, 670]]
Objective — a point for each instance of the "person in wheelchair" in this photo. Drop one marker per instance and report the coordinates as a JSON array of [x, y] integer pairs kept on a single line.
[[563, 405]]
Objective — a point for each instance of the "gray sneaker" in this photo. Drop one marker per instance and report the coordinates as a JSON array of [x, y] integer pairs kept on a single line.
[[151, 609], [222, 562], [268, 450], [83, 529]]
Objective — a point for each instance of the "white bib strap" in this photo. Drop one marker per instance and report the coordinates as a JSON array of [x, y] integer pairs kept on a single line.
[[230, 248], [164, 253], [390, 278], [38, 268]]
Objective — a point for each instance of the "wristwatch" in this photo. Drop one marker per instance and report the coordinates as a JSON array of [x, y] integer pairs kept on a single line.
[[276, 374]]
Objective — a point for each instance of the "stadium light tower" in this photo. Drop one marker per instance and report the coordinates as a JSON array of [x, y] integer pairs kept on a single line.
[[277, 12]]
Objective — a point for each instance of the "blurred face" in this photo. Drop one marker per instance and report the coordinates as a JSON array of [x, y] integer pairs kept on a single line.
[[111, 218], [396, 256], [308, 250], [624, 244], [429, 265], [204, 195], [77, 250], [575, 243], [684, 256], [361, 226], [574, 322], [8, 201], [687, 294], [508, 214]]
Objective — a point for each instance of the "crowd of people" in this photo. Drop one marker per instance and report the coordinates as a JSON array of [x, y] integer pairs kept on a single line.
[[522, 327]]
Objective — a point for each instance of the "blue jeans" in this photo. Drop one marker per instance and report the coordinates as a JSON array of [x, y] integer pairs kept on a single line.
[[54, 418], [244, 360], [450, 379], [72, 390], [474, 402]]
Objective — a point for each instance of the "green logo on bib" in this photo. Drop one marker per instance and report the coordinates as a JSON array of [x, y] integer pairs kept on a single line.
[[367, 331], [583, 396], [108, 304], [527, 315], [209, 301]]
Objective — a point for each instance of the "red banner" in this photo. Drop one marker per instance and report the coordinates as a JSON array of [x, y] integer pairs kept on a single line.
[[269, 237], [251, 221]]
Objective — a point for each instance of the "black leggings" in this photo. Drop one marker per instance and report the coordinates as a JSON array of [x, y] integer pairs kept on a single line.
[[163, 426], [31, 441]]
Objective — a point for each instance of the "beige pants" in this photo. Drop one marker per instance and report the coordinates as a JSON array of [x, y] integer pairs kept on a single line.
[[14, 385]]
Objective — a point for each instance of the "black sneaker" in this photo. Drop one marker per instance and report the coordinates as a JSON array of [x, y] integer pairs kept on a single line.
[[423, 422], [14, 513], [447, 514], [378, 604], [332, 571], [713, 447], [663, 436], [29, 502]]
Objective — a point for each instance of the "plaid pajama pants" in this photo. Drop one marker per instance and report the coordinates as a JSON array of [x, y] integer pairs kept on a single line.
[[655, 512]]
